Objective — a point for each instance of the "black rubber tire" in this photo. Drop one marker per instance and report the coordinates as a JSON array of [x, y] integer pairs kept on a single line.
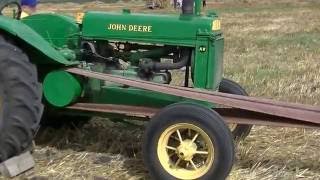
[[21, 107], [227, 86], [204, 118]]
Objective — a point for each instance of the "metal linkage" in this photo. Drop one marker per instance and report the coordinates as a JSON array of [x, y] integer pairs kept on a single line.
[[257, 110]]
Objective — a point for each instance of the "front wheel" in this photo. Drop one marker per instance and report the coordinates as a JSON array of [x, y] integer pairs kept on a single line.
[[186, 141]]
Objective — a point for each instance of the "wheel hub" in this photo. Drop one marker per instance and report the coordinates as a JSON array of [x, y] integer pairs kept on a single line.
[[186, 150]]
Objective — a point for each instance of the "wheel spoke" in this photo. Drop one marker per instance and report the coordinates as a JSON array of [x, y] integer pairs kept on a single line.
[[202, 152], [179, 135], [177, 163], [171, 148], [186, 151], [193, 165], [175, 138], [195, 137]]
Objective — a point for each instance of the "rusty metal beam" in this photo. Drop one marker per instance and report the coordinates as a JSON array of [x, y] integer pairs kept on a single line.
[[240, 116], [230, 115], [134, 111], [291, 112]]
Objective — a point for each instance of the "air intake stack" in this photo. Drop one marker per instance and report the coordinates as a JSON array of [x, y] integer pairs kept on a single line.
[[190, 7]]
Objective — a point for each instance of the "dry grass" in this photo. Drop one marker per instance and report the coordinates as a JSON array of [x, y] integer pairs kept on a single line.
[[272, 49]]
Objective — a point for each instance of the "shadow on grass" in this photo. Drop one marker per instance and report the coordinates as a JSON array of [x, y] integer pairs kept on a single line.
[[103, 139]]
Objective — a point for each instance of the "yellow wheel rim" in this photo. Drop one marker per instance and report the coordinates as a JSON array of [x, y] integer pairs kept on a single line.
[[185, 151]]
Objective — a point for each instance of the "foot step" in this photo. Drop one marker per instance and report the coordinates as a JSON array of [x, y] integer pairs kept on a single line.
[[17, 165]]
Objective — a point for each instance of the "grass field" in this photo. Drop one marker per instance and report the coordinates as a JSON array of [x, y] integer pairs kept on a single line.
[[272, 49]]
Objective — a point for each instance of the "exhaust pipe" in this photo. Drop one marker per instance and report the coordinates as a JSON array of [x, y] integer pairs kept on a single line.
[[188, 7]]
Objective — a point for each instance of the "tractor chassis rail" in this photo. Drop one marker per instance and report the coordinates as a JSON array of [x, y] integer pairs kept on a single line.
[[240, 109]]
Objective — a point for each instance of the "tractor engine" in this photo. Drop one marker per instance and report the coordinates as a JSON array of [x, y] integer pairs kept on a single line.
[[140, 61]]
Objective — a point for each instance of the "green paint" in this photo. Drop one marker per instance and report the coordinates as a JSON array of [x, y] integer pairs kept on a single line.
[[32, 41], [60, 31], [197, 7], [68, 54], [61, 88], [53, 38], [161, 29], [216, 72], [193, 31], [134, 96], [117, 94]]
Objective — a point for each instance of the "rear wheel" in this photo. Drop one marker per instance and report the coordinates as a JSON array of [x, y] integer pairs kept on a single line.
[[20, 101], [185, 141], [239, 131]]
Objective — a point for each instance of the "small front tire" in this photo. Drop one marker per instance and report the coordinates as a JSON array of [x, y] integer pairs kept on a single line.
[[187, 141]]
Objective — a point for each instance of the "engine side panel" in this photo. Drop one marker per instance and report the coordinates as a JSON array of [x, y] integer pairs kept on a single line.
[[162, 29]]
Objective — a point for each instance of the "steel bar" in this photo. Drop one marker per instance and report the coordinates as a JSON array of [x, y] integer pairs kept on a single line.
[[240, 116], [230, 115], [298, 112], [134, 111]]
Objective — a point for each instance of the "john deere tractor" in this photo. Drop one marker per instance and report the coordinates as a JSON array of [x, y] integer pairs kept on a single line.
[[186, 139]]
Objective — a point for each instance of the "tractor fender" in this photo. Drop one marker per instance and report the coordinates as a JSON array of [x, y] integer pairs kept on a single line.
[[32, 41]]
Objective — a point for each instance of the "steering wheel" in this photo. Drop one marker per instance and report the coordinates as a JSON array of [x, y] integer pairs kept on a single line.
[[15, 3]]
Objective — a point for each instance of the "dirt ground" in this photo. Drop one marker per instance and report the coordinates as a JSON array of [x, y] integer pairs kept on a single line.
[[272, 48]]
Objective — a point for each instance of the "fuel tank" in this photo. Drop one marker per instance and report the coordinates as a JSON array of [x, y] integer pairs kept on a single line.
[[150, 28]]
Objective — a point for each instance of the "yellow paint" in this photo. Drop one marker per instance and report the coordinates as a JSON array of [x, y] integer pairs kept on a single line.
[[24, 14], [130, 28], [79, 17], [179, 148], [216, 25]]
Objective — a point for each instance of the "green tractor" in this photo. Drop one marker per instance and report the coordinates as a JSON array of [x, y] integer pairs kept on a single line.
[[185, 140]]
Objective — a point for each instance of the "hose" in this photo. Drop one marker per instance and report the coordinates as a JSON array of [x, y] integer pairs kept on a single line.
[[156, 66]]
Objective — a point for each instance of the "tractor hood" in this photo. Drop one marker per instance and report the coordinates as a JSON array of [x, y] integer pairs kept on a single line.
[[150, 28]]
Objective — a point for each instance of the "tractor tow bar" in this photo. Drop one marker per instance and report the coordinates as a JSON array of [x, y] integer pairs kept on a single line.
[[241, 109]]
